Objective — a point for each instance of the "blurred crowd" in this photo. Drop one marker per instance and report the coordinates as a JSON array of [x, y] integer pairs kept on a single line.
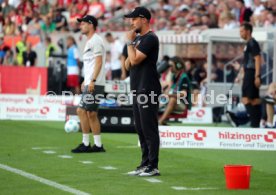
[[50, 16], [46, 17]]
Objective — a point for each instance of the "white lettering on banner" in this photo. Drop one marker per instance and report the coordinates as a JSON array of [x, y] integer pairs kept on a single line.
[[199, 115], [217, 138]]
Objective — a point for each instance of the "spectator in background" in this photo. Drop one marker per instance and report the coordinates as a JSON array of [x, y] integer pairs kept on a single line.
[[33, 27], [218, 74], [212, 14], [74, 15], [244, 13], [226, 21], [64, 4], [206, 22], [50, 49], [162, 24], [9, 27], [44, 8], [28, 11], [60, 21], [258, 7], [29, 56], [181, 86], [125, 73], [82, 7], [116, 49], [96, 8], [72, 65], [3, 48], [270, 20], [6, 8], [270, 102], [9, 58], [48, 26], [107, 66], [20, 48]]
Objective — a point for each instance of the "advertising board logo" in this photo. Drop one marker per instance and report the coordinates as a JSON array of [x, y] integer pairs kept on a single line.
[[115, 87], [126, 120], [200, 135], [44, 110], [270, 136], [104, 120], [114, 120], [200, 113], [29, 100]]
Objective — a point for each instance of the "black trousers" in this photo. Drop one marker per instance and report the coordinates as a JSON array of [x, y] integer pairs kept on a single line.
[[146, 123]]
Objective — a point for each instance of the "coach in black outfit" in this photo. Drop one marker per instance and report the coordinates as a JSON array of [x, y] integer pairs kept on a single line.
[[143, 47], [252, 77]]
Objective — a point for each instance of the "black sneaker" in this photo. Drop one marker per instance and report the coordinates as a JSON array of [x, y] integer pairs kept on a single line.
[[97, 149], [137, 171], [82, 149], [150, 171]]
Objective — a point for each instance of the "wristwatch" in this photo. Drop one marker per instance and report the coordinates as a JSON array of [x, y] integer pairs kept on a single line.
[[94, 80], [130, 43]]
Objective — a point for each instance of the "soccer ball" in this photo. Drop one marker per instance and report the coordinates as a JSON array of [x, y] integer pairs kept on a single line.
[[71, 126]]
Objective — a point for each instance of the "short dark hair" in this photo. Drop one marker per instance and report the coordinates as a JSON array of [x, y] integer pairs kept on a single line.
[[108, 34], [247, 26], [242, 1]]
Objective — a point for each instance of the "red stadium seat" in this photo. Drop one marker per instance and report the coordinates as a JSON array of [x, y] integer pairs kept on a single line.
[[184, 114]]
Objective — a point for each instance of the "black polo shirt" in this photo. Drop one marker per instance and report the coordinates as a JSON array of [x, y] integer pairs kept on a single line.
[[29, 58], [251, 50], [144, 77]]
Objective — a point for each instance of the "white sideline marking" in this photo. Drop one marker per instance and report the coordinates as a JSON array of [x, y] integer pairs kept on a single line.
[[153, 180], [42, 180], [109, 168], [42, 148], [65, 156], [36, 148], [127, 146], [49, 152], [192, 189], [86, 162]]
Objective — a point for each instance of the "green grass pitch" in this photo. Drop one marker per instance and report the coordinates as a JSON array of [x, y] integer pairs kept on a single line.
[[190, 168]]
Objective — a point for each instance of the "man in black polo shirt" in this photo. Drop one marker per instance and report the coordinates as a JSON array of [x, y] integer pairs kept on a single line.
[[252, 78], [142, 58]]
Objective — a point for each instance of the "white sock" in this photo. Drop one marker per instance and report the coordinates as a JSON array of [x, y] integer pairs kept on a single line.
[[97, 140], [269, 124], [85, 139]]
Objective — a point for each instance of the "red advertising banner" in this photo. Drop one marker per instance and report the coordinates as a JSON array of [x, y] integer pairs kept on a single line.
[[23, 80], [217, 138]]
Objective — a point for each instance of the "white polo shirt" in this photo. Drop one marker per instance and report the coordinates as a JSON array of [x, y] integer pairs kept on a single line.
[[94, 47]]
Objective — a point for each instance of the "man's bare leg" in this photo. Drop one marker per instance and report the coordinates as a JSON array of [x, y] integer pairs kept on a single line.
[[95, 127]]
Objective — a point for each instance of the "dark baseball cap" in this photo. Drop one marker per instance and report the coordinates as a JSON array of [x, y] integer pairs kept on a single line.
[[89, 19], [141, 12]]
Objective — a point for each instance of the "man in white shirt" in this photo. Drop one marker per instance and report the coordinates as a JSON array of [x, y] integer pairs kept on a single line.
[[94, 55], [116, 48]]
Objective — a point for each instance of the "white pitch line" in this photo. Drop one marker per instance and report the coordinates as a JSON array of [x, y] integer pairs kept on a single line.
[[43, 180], [109, 168], [153, 180], [65, 156], [179, 188], [86, 162], [43, 148], [49, 152]]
